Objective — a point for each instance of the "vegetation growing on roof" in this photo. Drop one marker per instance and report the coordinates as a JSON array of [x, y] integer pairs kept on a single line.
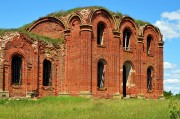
[[60, 14], [3, 31], [64, 13], [25, 27], [33, 36], [45, 38], [141, 23]]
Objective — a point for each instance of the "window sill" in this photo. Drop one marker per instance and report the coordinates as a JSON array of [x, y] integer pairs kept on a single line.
[[16, 86], [102, 89], [129, 51], [48, 88], [150, 55], [102, 46], [150, 91]]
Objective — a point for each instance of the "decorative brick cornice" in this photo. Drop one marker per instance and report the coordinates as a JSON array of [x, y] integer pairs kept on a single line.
[[161, 44], [116, 34], [67, 32], [140, 39], [86, 27]]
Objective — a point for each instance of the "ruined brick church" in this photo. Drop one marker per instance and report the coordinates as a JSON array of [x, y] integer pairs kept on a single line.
[[89, 52]]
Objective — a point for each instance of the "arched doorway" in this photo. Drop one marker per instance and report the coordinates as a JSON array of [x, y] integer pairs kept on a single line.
[[127, 69]]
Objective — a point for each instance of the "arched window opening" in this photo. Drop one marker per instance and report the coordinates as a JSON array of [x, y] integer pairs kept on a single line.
[[100, 33], [126, 39], [16, 70], [46, 73], [100, 73], [149, 40], [149, 79], [127, 70]]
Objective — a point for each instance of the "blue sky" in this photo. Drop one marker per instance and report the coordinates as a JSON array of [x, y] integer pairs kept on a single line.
[[163, 13]]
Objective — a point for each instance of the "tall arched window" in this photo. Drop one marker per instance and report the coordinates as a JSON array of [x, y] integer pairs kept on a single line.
[[149, 40], [126, 39], [100, 33], [46, 73], [100, 73], [16, 69], [149, 78]]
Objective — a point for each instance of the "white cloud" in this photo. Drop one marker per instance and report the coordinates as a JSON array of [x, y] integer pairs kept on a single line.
[[168, 65], [169, 24], [172, 85], [167, 75], [172, 81], [175, 15], [177, 72], [176, 76]]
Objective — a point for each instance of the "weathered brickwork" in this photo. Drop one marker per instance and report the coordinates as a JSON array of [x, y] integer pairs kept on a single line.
[[103, 56]]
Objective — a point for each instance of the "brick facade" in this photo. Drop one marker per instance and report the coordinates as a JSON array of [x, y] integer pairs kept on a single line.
[[74, 64]]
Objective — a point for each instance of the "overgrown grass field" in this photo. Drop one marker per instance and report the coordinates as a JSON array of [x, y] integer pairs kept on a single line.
[[83, 108]]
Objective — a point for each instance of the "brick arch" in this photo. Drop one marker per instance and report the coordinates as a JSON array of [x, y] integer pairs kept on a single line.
[[14, 52], [128, 22], [48, 26], [103, 60], [104, 17], [74, 25], [128, 61], [100, 57], [150, 29], [151, 67], [49, 59], [106, 14], [128, 78], [74, 17], [15, 90]]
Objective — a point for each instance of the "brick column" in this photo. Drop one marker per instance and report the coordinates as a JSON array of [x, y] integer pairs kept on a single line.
[[117, 66], [1, 75], [140, 77], [86, 63], [121, 65], [4, 91], [63, 82], [160, 67]]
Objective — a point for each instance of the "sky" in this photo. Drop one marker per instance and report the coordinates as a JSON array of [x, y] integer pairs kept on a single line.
[[164, 14]]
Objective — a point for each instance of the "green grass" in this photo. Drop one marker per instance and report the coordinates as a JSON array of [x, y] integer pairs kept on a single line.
[[83, 108]]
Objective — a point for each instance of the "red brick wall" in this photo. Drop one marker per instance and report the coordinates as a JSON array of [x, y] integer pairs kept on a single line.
[[74, 63]]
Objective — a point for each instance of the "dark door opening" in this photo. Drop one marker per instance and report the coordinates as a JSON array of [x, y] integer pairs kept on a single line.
[[124, 81], [16, 69], [149, 79]]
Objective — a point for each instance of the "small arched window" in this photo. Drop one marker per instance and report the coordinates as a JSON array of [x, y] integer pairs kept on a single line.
[[149, 40], [100, 73], [46, 73], [126, 39], [149, 78], [16, 69], [100, 33]]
